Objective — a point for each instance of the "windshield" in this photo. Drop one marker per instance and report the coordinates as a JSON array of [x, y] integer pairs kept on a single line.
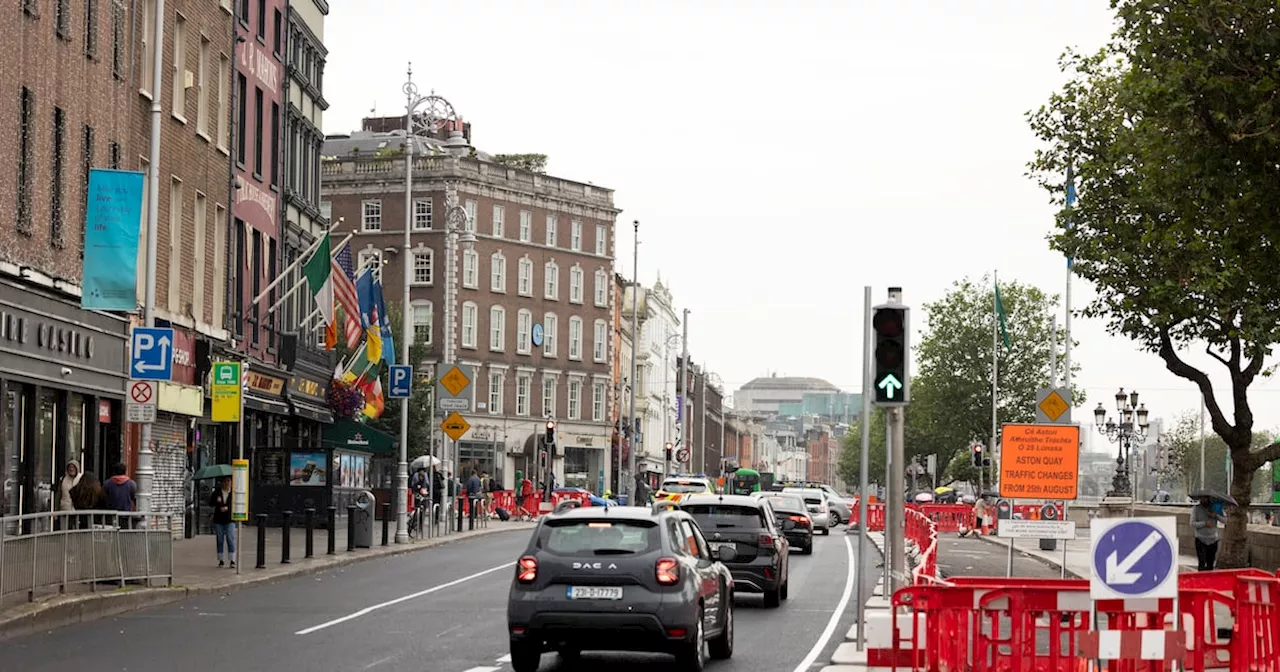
[[786, 503], [720, 517], [594, 537], [682, 487]]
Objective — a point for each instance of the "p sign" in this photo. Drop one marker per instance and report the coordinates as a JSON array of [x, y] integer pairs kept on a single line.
[[401, 381]]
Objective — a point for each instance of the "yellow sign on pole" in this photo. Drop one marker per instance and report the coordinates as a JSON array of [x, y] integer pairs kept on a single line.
[[455, 425], [1053, 406], [224, 391], [239, 490], [455, 381]]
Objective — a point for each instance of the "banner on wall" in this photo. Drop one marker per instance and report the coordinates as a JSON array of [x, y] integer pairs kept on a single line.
[[113, 217]]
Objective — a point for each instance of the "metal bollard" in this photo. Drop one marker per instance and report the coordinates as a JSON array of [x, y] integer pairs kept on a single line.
[[472, 505], [458, 503], [262, 540], [386, 521], [351, 527], [286, 538], [311, 528], [333, 530]]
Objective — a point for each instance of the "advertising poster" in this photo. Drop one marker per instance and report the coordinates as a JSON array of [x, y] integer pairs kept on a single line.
[[307, 469], [113, 216]]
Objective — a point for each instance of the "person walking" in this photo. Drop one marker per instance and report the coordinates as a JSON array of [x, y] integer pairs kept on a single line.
[[122, 494], [475, 493], [1204, 522], [223, 528]]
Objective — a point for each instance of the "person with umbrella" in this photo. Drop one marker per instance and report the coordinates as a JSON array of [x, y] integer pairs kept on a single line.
[[1204, 523]]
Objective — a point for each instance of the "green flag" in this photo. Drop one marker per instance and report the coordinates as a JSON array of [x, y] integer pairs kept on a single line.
[[1002, 317], [317, 272]]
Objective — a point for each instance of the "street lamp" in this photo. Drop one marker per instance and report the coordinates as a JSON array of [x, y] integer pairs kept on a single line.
[[432, 111], [1132, 425]]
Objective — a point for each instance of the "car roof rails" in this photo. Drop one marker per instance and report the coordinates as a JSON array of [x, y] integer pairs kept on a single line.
[[566, 505], [662, 505]]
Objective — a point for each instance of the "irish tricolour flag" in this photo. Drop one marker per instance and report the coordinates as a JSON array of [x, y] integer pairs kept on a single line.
[[317, 271]]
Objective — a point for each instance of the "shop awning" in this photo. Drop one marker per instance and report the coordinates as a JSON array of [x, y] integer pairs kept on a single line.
[[309, 411], [272, 405], [351, 435]]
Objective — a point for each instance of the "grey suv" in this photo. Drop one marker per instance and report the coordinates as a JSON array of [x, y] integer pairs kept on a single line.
[[620, 579]]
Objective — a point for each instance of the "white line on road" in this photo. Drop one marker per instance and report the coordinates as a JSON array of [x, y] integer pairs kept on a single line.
[[835, 615], [483, 669], [505, 659], [368, 610]]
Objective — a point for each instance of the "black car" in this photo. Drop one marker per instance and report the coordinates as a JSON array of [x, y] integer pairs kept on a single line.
[[745, 524], [792, 518], [620, 578]]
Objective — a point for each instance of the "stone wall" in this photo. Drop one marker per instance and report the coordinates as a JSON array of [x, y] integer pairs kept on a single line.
[[1264, 540]]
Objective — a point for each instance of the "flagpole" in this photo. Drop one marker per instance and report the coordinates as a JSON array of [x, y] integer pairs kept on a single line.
[[306, 254], [303, 280], [995, 373]]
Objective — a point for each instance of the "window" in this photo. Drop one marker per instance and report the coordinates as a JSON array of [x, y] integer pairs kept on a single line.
[[277, 36], [575, 398], [242, 121], [524, 332], [61, 19], [422, 320], [498, 272], [499, 215], [258, 101], [242, 11], [86, 159], [55, 196], [495, 392], [526, 226], [117, 39], [524, 385], [599, 341], [575, 284], [176, 207], [575, 236], [602, 239], [551, 230], [201, 242], [549, 397], [326, 210], [422, 214], [497, 328], [113, 154], [550, 325], [369, 259], [470, 269], [91, 28], [422, 266], [202, 88], [469, 314], [602, 288], [524, 283], [371, 215], [262, 20], [148, 46], [471, 216], [26, 158], [180, 67], [224, 124], [275, 144], [575, 338], [597, 402], [552, 272]]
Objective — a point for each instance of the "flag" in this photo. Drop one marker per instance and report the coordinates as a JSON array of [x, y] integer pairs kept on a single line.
[[344, 291], [384, 324], [369, 316], [374, 403], [1071, 201], [318, 271], [1002, 317], [331, 336], [361, 366]]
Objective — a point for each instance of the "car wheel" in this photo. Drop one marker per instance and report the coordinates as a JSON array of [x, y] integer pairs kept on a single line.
[[773, 598], [807, 550], [835, 519], [525, 656], [689, 656], [826, 531], [721, 648]]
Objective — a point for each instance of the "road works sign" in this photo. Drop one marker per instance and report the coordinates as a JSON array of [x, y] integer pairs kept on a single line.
[[1052, 406], [1039, 461], [454, 388], [1133, 558], [455, 426]]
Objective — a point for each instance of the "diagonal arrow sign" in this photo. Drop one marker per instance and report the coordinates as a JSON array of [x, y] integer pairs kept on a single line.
[[890, 384], [1119, 571]]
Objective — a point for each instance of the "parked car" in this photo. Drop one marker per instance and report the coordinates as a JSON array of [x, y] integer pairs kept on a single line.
[[620, 579], [793, 519], [819, 507], [760, 562]]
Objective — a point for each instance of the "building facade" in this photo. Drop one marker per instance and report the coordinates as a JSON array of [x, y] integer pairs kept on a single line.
[[620, 406], [543, 256], [707, 422], [68, 97], [657, 357], [770, 393]]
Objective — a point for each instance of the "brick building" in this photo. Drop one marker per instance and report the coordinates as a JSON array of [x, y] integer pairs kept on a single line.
[[706, 426], [67, 102], [619, 417], [543, 256]]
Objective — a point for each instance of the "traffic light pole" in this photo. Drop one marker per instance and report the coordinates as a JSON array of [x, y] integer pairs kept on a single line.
[[897, 501]]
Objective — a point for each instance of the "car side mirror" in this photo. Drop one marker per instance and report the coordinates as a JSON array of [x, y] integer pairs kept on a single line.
[[788, 524], [726, 554]]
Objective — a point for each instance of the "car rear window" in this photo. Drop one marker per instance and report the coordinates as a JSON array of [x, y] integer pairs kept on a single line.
[[813, 501], [722, 516], [683, 488], [596, 537], [786, 503]]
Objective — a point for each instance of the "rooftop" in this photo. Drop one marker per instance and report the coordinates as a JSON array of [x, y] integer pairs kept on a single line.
[[776, 382]]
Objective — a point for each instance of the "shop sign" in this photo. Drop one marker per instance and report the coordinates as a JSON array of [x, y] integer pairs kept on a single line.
[[184, 358], [41, 336], [311, 389], [261, 382], [104, 411]]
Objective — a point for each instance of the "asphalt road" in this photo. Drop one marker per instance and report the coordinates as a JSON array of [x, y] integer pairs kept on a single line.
[[970, 556], [438, 610]]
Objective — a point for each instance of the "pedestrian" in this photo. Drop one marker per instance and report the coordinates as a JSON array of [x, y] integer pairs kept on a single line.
[[475, 493], [437, 492], [1204, 522], [122, 494], [223, 528], [70, 479], [524, 492], [492, 485]]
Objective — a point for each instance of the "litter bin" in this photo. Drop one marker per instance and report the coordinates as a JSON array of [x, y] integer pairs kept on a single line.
[[366, 505], [1048, 544]]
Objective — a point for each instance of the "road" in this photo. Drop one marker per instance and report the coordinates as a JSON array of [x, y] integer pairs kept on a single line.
[[437, 610], [971, 556]]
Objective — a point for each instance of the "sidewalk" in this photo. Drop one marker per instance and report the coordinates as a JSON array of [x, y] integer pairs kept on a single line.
[[196, 572], [1077, 554]]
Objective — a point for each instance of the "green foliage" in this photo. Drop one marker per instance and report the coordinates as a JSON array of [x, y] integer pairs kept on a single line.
[[960, 469], [849, 464], [951, 389], [390, 152], [1179, 467], [533, 163], [1172, 130]]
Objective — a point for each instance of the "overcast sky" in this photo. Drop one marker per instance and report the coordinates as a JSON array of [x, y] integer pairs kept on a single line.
[[779, 154]]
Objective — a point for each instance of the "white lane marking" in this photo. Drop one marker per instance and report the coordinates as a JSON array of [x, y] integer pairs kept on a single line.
[[483, 669], [505, 659], [368, 610], [830, 630]]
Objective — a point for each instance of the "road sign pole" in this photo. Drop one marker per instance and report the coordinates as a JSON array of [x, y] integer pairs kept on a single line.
[[864, 484]]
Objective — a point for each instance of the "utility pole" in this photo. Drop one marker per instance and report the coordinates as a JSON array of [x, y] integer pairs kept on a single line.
[[702, 433], [682, 437], [863, 464], [635, 351]]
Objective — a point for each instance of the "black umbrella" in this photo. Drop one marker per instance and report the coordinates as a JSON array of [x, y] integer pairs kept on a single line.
[[1215, 496]]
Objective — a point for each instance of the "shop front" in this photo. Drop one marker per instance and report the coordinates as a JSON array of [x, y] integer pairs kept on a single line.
[[265, 430], [62, 380], [308, 397], [584, 461], [361, 458], [180, 408]]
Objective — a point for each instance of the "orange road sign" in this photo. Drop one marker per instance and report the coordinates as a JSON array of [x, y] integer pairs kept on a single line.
[[1039, 461]]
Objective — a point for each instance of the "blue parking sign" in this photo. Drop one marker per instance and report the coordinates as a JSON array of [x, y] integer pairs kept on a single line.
[[151, 353], [401, 381]]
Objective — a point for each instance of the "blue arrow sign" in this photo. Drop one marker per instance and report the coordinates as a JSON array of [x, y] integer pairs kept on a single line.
[[401, 381], [151, 353], [1134, 558], [890, 384]]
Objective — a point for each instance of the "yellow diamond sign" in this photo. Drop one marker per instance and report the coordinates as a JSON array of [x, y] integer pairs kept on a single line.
[[455, 382], [455, 425], [1053, 406]]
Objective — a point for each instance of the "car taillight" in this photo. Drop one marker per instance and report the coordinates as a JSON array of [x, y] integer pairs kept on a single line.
[[668, 571], [765, 540], [527, 569], [803, 520]]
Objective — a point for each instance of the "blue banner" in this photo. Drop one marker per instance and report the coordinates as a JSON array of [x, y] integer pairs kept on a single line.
[[113, 216], [384, 323]]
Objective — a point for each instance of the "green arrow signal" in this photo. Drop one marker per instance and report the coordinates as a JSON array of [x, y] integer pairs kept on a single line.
[[890, 384]]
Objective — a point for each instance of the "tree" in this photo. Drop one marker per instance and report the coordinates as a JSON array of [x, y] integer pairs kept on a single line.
[[951, 391], [533, 163], [849, 465], [1180, 461], [1172, 135]]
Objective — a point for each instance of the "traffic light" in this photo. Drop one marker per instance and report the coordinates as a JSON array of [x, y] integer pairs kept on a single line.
[[978, 456], [551, 433], [890, 383], [669, 447]]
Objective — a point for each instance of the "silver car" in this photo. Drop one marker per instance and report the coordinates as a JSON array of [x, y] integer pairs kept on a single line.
[[841, 512], [819, 507]]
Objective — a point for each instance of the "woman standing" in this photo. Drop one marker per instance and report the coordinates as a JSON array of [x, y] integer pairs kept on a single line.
[[222, 525], [1204, 522], [66, 502]]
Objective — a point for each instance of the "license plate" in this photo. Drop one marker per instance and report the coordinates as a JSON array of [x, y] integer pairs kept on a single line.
[[716, 546], [595, 592]]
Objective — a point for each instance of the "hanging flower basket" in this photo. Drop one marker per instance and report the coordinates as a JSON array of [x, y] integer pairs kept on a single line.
[[345, 400]]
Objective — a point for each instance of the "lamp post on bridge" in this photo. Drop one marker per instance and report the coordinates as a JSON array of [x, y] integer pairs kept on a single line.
[[1132, 426]]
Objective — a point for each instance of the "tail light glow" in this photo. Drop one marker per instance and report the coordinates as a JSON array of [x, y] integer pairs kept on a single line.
[[765, 540], [527, 569], [803, 520], [668, 571]]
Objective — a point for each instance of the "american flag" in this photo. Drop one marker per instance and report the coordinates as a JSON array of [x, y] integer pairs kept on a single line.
[[344, 290]]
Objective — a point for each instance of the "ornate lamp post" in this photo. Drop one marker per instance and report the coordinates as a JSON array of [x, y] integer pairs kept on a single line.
[[1132, 426]]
